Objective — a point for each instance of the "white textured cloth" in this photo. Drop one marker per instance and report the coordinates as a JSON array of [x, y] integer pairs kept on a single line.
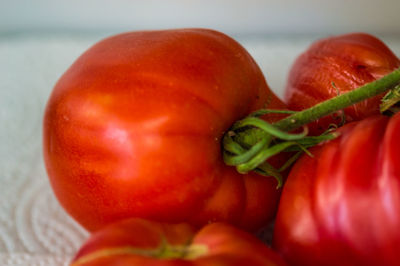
[[34, 229]]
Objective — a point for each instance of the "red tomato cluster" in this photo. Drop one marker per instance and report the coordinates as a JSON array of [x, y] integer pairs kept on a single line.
[[342, 206], [133, 130]]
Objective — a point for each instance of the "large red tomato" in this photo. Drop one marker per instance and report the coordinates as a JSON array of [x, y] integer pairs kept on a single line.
[[133, 128], [334, 66], [342, 207], [145, 243]]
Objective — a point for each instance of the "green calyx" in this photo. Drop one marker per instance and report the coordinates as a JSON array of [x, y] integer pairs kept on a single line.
[[187, 252], [269, 140], [164, 251], [252, 141]]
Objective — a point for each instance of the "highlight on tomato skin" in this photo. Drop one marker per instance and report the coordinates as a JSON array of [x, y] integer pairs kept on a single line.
[[133, 129], [342, 206], [336, 65], [142, 242]]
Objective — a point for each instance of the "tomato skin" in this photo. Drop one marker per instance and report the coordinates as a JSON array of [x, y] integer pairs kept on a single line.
[[342, 207], [217, 244], [347, 61], [133, 129]]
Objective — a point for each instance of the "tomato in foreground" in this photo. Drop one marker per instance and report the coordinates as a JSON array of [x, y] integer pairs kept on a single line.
[[133, 129], [336, 65], [342, 207], [141, 242]]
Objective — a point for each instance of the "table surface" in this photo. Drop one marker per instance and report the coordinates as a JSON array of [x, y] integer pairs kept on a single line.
[[34, 229]]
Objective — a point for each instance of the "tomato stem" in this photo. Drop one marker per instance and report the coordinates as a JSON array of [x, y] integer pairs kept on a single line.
[[253, 138], [340, 102]]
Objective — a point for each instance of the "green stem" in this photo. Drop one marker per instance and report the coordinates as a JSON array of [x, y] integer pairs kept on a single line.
[[249, 137], [340, 102]]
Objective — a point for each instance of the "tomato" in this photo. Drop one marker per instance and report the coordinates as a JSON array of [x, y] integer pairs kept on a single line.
[[140, 242], [334, 66], [342, 207], [133, 129]]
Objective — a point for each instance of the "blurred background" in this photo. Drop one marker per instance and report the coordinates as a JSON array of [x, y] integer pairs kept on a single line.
[[235, 17], [40, 39], [279, 23]]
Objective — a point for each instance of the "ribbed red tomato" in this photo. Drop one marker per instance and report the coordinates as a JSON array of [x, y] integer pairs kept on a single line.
[[133, 129], [342, 207], [334, 66], [145, 243]]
